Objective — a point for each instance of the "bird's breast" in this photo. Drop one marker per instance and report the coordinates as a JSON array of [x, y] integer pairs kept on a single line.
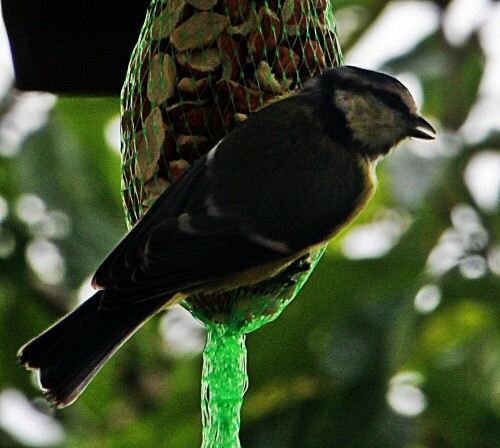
[[359, 186]]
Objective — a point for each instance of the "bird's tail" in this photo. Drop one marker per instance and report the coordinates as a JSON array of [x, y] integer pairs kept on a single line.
[[71, 352]]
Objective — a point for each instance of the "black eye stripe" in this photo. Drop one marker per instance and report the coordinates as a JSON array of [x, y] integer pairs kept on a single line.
[[361, 82], [390, 99]]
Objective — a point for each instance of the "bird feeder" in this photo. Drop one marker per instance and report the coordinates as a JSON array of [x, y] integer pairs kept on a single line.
[[199, 68]]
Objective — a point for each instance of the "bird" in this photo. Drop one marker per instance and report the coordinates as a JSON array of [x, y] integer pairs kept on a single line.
[[284, 182]]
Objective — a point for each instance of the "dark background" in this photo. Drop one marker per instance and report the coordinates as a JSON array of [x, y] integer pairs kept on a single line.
[[72, 47]]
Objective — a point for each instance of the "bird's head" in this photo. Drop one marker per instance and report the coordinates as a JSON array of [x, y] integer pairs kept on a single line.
[[376, 109]]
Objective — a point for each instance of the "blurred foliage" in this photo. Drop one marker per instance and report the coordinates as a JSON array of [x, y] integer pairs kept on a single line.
[[331, 370]]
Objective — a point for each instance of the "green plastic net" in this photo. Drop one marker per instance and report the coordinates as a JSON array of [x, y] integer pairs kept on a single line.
[[199, 68]]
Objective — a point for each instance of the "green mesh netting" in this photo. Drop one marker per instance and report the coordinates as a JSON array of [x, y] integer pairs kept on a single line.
[[199, 68]]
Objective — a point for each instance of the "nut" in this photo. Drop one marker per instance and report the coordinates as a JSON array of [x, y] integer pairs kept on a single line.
[[313, 60], [238, 118], [154, 132], [194, 121], [245, 28], [200, 61], [146, 166], [199, 31], [161, 78], [265, 38], [173, 112], [286, 63], [295, 15], [191, 147], [237, 10], [270, 24], [177, 168], [201, 121], [268, 81], [154, 189], [245, 100], [232, 57], [204, 5], [165, 23], [193, 88], [232, 120]]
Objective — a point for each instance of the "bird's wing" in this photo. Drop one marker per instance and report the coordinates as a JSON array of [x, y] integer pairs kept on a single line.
[[178, 245], [169, 205], [174, 260], [296, 184], [269, 190]]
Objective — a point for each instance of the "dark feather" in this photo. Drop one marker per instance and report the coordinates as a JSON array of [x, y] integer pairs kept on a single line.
[[175, 261], [69, 354], [286, 179], [294, 186], [169, 205]]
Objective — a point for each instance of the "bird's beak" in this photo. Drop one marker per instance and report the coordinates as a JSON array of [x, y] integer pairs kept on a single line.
[[416, 129]]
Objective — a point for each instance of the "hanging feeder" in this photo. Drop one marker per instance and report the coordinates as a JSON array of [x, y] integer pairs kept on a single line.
[[199, 68]]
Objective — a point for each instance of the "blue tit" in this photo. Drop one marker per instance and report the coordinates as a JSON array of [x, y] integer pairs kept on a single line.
[[283, 183]]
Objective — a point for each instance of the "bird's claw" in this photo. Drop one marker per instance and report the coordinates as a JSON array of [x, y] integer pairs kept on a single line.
[[282, 279], [285, 277]]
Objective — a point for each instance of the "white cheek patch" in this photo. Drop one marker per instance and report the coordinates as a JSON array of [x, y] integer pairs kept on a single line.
[[372, 123]]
